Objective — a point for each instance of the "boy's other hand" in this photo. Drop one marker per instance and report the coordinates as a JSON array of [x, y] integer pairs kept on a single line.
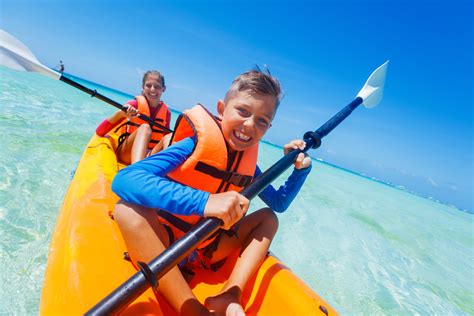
[[228, 206], [303, 160]]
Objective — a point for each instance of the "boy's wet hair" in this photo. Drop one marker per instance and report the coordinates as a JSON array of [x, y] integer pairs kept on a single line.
[[257, 81], [154, 73]]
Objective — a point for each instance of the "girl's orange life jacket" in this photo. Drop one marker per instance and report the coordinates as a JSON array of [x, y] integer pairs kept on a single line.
[[210, 167], [143, 108]]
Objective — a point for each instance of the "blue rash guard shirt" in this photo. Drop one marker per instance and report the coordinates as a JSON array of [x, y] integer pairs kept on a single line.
[[145, 183]]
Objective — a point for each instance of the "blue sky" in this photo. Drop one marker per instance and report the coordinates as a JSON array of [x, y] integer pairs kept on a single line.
[[420, 136]]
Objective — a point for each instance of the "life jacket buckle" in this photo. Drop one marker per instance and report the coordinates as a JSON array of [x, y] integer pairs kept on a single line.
[[237, 179]]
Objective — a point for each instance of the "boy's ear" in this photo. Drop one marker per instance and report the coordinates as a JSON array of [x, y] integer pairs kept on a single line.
[[220, 108], [164, 89]]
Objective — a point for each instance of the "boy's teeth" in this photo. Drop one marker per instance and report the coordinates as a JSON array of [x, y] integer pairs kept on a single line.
[[242, 136]]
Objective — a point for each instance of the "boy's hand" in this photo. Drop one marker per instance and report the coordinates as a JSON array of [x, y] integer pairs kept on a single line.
[[228, 206], [303, 160]]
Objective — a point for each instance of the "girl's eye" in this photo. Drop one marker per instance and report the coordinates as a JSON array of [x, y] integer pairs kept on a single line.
[[156, 86]]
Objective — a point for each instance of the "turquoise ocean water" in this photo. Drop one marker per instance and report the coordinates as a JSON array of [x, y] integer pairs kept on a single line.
[[365, 247]]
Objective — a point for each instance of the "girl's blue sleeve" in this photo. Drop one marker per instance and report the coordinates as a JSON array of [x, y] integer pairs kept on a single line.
[[279, 200], [144, 182]]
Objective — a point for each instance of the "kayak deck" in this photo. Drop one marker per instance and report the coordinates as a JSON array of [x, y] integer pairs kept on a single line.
[[86, 261]]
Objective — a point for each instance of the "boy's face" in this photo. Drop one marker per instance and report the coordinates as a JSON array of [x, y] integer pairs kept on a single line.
[[152, 88], [245, 118]]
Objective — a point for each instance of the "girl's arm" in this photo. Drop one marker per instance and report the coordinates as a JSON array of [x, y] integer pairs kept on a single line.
[[109, 123]]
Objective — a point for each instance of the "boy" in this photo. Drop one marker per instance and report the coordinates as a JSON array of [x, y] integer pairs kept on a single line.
[[209, 159]]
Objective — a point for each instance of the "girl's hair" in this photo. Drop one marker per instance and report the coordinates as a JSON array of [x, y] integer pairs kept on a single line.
[[257, 81], [154, 73]]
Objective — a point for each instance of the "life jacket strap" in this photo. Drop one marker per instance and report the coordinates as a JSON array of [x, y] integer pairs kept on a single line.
[[175, 221], [228, 176], [130, 123], [185, 226], [161, 131], [120, 126], [155, 129]]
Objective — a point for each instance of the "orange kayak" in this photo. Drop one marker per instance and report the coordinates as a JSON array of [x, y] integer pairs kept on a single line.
[[86, 260]]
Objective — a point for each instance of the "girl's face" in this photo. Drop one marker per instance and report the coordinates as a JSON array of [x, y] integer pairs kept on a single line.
[[246, 117], [152, 88]]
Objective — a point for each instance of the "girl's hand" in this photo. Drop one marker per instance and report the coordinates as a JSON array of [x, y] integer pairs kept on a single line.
[[131, 111], [302, 160], [228, 206]]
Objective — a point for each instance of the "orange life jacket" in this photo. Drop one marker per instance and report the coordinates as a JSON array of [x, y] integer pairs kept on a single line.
[[143, 108], [210, 167]]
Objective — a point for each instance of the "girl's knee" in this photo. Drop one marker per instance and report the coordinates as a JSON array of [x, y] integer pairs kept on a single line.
[[145, 130]]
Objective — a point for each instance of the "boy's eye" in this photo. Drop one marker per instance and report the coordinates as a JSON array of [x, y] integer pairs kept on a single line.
[[243, 112], [263, 123]]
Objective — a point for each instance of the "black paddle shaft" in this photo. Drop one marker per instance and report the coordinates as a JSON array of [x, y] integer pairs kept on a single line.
[[95, 94], [138, 283]]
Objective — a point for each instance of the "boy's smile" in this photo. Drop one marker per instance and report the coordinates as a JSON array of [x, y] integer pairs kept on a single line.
[[245, 118], [242, 137]]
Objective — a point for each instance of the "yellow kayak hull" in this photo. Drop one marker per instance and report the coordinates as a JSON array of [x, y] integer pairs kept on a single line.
[[86, 262]]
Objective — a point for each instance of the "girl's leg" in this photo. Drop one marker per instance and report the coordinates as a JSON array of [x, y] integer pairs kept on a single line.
[[255, 235], [145, 238], [134, 148], [163, 144]]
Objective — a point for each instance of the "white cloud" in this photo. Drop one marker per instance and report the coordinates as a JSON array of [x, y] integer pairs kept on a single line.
[[140, 72], [453, 187], [432, 182]]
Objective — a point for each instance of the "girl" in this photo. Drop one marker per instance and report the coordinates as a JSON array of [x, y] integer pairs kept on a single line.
[[138, 140]]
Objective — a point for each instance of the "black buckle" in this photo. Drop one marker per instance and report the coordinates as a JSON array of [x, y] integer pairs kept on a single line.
[[233, 178], [238, 179]]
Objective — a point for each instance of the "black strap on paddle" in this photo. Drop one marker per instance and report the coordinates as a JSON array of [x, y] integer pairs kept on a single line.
[[149, 276]]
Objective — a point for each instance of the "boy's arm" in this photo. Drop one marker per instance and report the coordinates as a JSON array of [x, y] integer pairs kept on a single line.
[[279, 200], [144, 182]]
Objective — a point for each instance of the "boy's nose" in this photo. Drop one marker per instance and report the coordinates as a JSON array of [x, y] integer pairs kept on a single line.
[[248, 122]]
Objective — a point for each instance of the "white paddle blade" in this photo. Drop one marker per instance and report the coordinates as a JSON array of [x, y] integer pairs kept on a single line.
[[372, 92], [15, 55]]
